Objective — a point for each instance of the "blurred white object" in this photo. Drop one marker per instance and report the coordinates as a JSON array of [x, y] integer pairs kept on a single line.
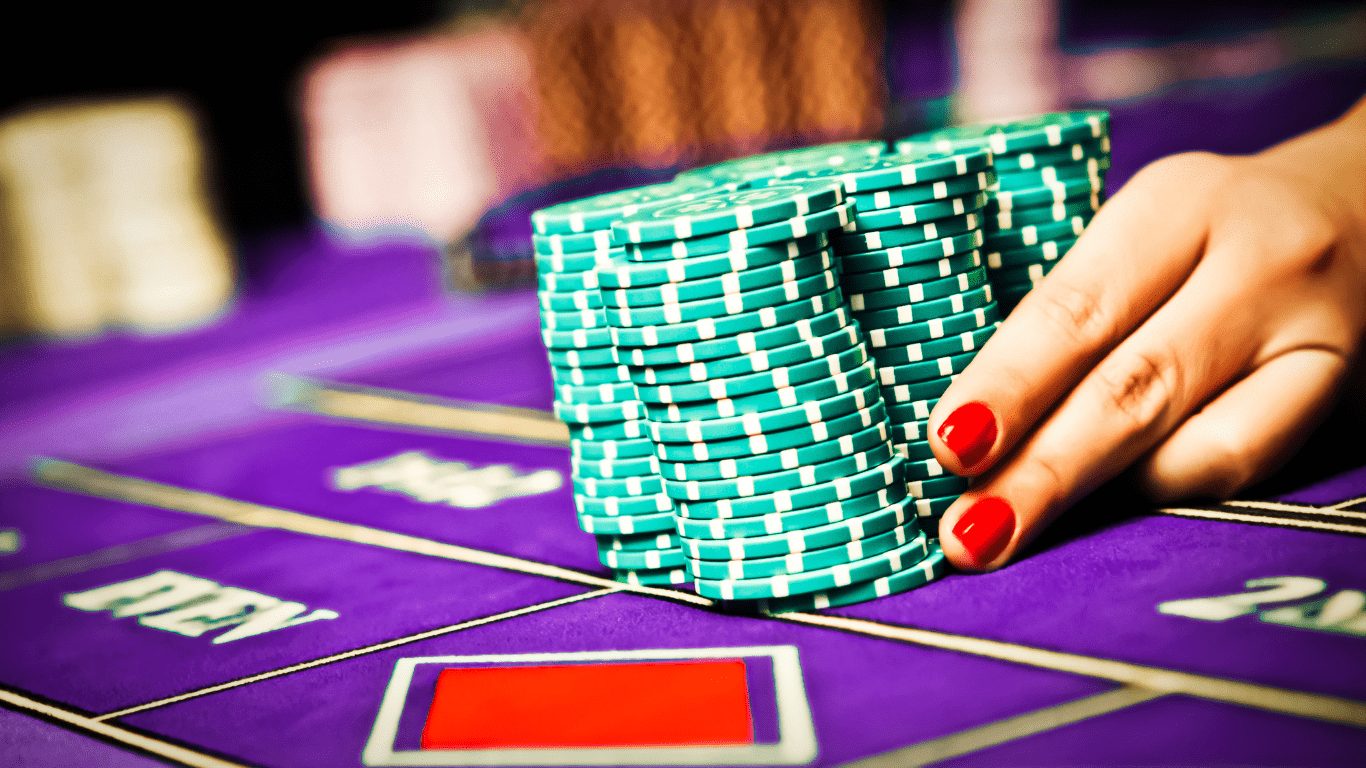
[[424, 133], [1008, 59], [107, 221]]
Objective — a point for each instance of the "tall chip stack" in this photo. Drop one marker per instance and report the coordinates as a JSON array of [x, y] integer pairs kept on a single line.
[[1050, 182], [617, 488], [760, 397]]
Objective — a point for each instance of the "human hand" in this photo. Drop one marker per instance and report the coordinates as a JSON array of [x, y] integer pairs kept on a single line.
[[1199, 327]]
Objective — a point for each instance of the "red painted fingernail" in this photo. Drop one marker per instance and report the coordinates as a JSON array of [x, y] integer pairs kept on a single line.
[[969, 432], [985, 529]]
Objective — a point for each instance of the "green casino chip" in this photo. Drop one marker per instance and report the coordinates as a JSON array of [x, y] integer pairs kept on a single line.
[[804, 562], [1016, 218], [925, 310], [914, 273], [900, 256], [878, 521], [937, 487], [595, 394], [782, 162], [893, 171], [869, 481], [744, 365], [712, 328], [918, 194], [659, 578], [561, 282], [880, 239], [627, 524], [746, 343], [621, 430], [599, 211], [644, 542], [1070, 153], [936, 328], [597, 450], [599, 241], [574, 263], [569, 301], [582, 358], [768, 381], [578, 338], [901, 394], [933, 507], [760, 485], [782, 461], [717, 529], [728, 284], [1067, 189], [820, 389], [615, 469], [1034, 234], [931, 567], [589, 376], [924, 469], [1029, 273], [913, 431], [923, 371], [734, 304], [563, 321], [869, 568], [584, 413], [914, 411], [624, 273], [743, 239], [1053, 174], [916, 293], [777, 441], [914, 451], [751, 424], [904, 354], [617, 506], [909, 215], [651, 559], [1039, 132], [724, 211], [643, 485], [1051, 250]]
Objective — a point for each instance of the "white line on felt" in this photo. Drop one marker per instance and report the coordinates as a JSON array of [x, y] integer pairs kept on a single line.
[[1211, 514], [359, 652], [1281, 506], [1341, 504]]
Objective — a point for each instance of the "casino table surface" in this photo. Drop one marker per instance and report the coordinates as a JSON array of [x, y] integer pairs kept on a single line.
[[293, 540]]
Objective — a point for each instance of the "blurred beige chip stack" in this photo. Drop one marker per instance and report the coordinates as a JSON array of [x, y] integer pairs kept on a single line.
[[105, 220]]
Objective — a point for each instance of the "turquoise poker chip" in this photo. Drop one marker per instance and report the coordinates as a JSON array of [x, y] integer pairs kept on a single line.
[[746, 343], [623, 506], [933, 507], [577, 338], [557, 282], [574, 263], [773, 442], [805, 562], [621, 430], [644, 542], [1060, 211], [751, 424], [918, 410], [938, 487], [1034, 234], [599, 241], [782, 461], [908, 215], [924, 371], [931, 567], [883, 564], [599, 211], [792, 479], [755, 362], [743, 239], [1067, 153], [718, 529], [915, 293], [1039, 132], [611, 449], [914, 273], [905, 354], [713, 328], [827, 534], [728, 284], [901, 394], [641, 485], [648, 578], [649, 559], [569, 301], [933, 329], [597, 394], [724, 210], [615, 469], [892, 171], [1092, 169], [787, 397], [767, 381], [733, 304], [929, 192], [883, 475], [567, 321], [914, 451], [923, 469], [880, 239], [1029, 273], [911, 431], [627, 524], [583, 358], [1050, 250], [585, 413], [900, 256], [624, 273], [782, 162], [589, 375], [907, 314], [1048, 194]]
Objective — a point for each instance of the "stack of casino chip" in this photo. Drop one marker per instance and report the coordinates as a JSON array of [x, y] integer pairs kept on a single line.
[[618, 492], [1050, 181], [914, 275], [761, 399]]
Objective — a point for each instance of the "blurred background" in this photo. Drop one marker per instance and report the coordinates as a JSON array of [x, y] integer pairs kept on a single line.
[[222, 185]]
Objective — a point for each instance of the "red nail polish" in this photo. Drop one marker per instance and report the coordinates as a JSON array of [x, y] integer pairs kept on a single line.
[[985, 529], [969, 432]]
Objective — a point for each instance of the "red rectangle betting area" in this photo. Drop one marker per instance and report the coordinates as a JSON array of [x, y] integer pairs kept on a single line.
[[664, 703]]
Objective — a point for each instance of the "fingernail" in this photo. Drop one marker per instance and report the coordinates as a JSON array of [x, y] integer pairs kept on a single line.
[[985, 529], [969, 432]]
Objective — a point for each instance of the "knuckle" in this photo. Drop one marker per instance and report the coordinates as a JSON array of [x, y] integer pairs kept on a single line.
[[1139, 388], [1078, 314]]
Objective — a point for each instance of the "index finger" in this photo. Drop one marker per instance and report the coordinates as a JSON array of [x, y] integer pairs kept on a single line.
[[1134, 255]]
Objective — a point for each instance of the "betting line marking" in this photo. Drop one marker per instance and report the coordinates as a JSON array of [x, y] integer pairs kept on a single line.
[[336, 657], [1164, 681], [387, 406], [1011, 728], [95, 482], [1216, 514]]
